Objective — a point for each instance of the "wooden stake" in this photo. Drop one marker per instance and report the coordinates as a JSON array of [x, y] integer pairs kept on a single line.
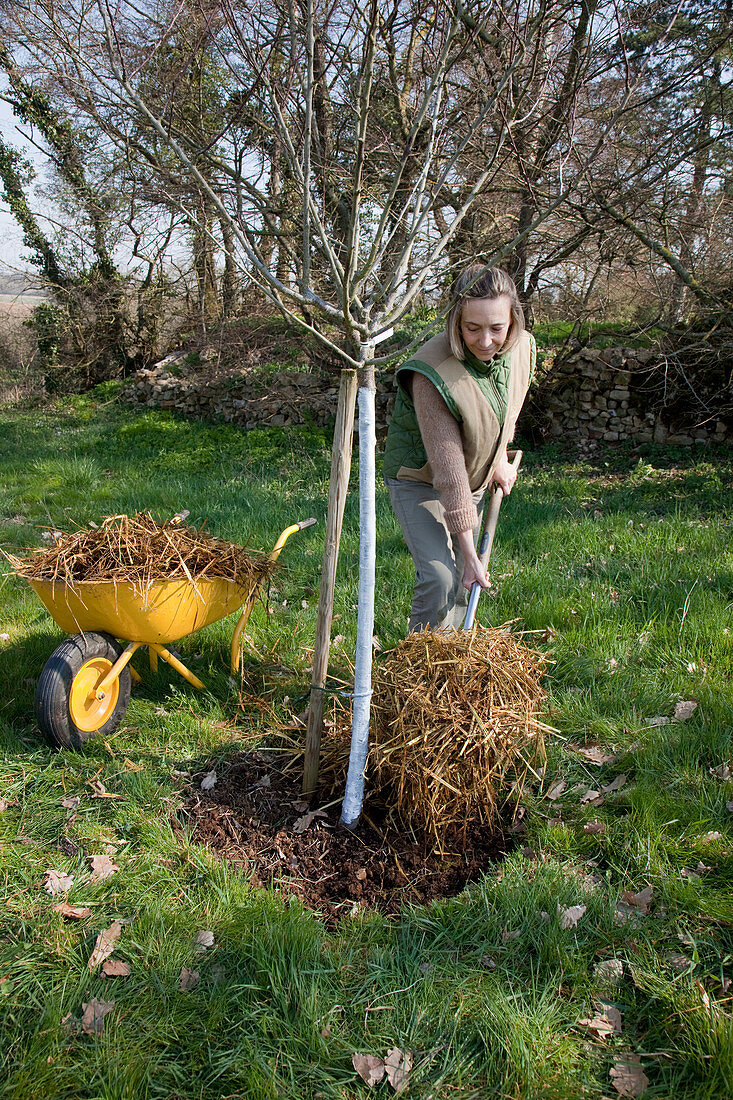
[[340, 469]]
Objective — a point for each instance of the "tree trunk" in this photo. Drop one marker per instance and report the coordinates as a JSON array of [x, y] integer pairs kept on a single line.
[[354, 796]]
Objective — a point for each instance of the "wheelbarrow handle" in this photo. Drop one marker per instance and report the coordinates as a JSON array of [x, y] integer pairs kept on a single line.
[[486, 540], [303, 523]]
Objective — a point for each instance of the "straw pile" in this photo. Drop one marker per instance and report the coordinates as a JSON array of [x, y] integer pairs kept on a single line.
[[455, 726], [139, 550]]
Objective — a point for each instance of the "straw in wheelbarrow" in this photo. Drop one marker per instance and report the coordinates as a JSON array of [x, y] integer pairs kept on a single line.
[[138, 549]]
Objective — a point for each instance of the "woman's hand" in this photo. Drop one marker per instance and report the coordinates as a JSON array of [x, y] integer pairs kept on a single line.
[[473, 570], [504, 475]]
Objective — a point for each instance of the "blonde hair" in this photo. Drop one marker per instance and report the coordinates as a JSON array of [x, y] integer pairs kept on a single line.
[[478, 281]]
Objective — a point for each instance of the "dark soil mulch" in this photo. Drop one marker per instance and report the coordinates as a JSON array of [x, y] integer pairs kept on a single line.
[[255, 819]]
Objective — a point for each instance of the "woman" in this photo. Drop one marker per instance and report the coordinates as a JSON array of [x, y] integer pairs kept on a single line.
[[458, 399]]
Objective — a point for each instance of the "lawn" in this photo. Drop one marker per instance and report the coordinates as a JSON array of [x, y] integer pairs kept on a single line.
[[604, 938]]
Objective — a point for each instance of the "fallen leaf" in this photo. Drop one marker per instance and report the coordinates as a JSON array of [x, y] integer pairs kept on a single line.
[[616, 785], [678, 961], [640, 901], [102, 868], [723, 771], [707, 838], [105, 945], [94, 1011], [488, 962], [188, 979], [100, 791], [628, 1077], [594, 827], [71, 803], [369, 1067], [684, 709], [659, 720], [205, 939], [57, 882], [116, 968], [595, 754], [591, 796], [4, 805], [304, 823], [693, 876], [609, 971], [556, 790], [570, 917], [397, 1066], [605, 1022], [71, 912], [209, 780], [508, 935]]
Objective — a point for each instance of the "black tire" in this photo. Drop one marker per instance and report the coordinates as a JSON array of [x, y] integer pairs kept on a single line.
[[92, 655]]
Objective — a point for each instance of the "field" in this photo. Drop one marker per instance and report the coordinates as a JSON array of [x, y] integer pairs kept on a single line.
[[595, 959]]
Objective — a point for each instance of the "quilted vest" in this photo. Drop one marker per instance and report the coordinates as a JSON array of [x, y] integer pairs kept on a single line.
[[484, 437]]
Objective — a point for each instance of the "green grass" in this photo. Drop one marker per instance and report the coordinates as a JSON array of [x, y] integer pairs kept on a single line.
[[623, 568]]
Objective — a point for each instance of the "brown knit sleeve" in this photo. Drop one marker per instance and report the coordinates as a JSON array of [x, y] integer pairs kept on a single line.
[[441, 436]]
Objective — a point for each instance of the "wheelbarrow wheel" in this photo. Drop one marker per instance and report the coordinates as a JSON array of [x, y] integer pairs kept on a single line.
[[67, 708]]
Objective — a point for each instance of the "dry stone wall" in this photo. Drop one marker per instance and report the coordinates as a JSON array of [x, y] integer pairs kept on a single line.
[[591, 398], [595, 397], [254, 400]]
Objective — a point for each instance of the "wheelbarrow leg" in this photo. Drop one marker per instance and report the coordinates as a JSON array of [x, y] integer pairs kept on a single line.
[[177, 665]]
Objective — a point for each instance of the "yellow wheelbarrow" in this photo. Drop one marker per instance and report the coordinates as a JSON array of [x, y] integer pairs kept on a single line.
[[84, 688]]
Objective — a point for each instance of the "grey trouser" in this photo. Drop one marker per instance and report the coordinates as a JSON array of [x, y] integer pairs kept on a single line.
[[439, 599]]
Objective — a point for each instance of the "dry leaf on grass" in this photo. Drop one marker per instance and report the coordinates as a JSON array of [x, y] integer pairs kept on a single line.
[[4, 805], [609, 971], [71, 803], [71, 912], [723, 771], [369, 1067], [116, 968], [616, 785], [682, 712], [591, 796], [188, 979], [595, 754], [92, 1021], [102, 868], [605, 1022], [397, 1065], [628, 1077], [640, 901], [556, 790], [100, 791], [708, 838], [204, 939], [105, 945], [570, 917], [56, 882], [684, 709], [209, 780], [594, 827]]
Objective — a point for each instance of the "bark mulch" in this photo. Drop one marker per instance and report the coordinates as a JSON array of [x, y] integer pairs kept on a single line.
[[255, 819]]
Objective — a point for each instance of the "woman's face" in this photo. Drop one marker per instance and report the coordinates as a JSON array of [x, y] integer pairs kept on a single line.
[[485, 324]]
